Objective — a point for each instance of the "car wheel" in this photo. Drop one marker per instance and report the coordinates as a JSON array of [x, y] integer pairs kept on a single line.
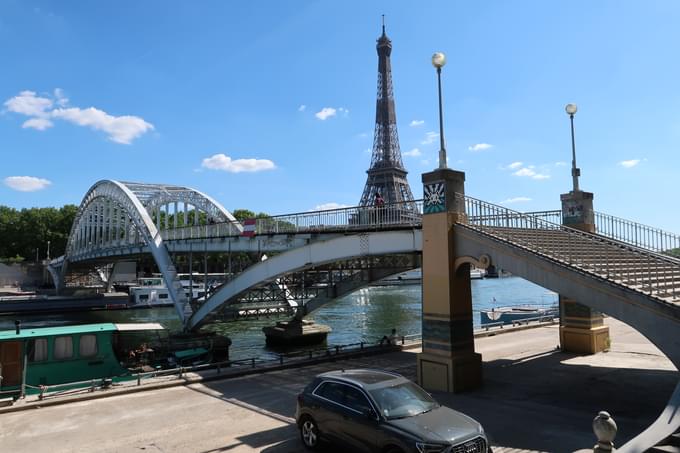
[[309, 432]]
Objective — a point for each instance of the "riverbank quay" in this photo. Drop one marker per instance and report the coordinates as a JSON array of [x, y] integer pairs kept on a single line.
[[534, 398]]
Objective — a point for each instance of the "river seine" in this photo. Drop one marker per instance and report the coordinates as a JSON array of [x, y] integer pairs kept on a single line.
[[365, 315]]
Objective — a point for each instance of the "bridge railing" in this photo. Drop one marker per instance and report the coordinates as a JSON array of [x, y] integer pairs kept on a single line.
[[633, 233], [637, 234], [342, 219], [642, 270]]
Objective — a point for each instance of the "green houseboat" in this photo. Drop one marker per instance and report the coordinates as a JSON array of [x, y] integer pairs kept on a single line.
[[58, 355]]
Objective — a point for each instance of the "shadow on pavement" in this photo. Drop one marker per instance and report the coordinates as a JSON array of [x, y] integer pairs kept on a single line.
[[541, 402]]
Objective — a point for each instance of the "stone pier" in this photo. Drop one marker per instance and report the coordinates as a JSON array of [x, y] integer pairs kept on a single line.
[[448, 361]]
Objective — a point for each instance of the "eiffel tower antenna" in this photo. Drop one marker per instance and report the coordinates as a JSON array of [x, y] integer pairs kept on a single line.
[[386, 175]]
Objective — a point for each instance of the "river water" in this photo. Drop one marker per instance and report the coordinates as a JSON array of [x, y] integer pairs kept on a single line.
[[365, 315]]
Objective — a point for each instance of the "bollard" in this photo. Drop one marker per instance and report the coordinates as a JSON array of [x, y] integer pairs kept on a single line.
[[604, 428], [280, 360], [92, 386], [361, 345], [139, 379], [42, 392], [337, 350], [252, 362], [181, 371], [402, 340]]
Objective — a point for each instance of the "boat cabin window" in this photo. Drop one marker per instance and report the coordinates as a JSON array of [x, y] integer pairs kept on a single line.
[[88, 346], [143, 296], [163, 296], [37, 350], [63, 347]]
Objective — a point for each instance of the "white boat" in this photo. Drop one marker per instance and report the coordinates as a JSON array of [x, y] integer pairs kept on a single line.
[[414, 277], [518, 313], [152, 292]]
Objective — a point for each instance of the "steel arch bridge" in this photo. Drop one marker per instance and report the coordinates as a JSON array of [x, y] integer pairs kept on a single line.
[[117, 214]]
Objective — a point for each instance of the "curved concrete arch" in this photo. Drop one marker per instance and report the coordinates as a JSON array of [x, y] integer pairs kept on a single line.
[[655, 319], [314, 254], [125, 199]]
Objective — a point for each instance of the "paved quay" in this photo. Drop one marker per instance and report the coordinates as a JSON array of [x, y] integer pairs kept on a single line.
[[534, 398]]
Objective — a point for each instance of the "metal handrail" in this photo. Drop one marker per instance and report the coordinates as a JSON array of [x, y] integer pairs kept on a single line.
[[390, 215], [46, 391], [598, 255], [643, 236]]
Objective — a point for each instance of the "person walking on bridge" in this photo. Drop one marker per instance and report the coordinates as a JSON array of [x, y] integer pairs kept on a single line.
[[379, 207]]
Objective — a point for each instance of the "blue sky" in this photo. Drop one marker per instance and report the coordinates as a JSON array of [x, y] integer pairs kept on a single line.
[[226, 97]]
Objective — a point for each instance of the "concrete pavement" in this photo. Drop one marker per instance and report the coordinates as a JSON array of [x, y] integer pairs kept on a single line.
[[534, 398]]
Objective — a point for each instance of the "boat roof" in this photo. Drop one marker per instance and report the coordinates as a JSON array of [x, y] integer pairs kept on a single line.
[[31, 332]]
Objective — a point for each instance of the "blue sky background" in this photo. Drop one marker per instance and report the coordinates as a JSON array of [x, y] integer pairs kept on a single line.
[[175, 83]]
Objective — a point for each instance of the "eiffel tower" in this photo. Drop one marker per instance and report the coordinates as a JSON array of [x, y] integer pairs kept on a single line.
[[386, 175]]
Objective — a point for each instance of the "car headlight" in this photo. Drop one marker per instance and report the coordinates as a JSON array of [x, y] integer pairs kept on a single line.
[[430, 448]]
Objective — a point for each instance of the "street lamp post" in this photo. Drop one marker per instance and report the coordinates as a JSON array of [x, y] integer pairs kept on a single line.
[[438, 61], [571, 110]]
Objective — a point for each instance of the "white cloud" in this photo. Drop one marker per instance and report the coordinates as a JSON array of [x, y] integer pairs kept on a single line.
[[430, 137], [226, 163], [415, 152], [527, 171], [26, 183], [331, 205], [515, 200], [120, 129], [325, 113], [629, 163], [37, 123], [480, 147], [416, 123], [302, 108], [27, 103], [62, 100], [560, 164]]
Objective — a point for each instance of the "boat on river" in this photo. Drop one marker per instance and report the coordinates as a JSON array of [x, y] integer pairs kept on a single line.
[[152, 292], [48, 356], [518, 313]]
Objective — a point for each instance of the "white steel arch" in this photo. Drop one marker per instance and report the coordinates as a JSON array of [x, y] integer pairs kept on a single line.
[[314, 254], [113, 213]]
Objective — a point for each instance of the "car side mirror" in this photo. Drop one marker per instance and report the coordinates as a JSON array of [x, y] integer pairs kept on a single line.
[[370, 413]]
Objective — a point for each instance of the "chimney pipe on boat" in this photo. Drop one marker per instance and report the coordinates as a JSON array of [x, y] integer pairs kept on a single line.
[[17, 324]]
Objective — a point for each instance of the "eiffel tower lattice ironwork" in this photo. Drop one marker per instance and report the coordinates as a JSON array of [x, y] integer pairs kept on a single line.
[[386, 175]]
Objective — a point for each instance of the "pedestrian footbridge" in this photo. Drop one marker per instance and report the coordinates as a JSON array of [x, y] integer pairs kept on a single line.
[[624, 270]]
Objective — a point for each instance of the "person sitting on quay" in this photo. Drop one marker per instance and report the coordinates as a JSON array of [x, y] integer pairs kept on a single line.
[[391, 339]]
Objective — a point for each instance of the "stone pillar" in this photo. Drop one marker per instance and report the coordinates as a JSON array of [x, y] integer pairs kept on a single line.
[[448, 361], [582, 329]]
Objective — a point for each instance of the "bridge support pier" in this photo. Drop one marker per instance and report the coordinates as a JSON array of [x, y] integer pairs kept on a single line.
[[582, 329], [448, 361]]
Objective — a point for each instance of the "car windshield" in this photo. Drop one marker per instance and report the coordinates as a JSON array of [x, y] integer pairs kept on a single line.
[[403, 400]]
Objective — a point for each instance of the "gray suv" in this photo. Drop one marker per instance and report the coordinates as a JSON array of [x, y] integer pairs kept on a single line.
[[380, 411]]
